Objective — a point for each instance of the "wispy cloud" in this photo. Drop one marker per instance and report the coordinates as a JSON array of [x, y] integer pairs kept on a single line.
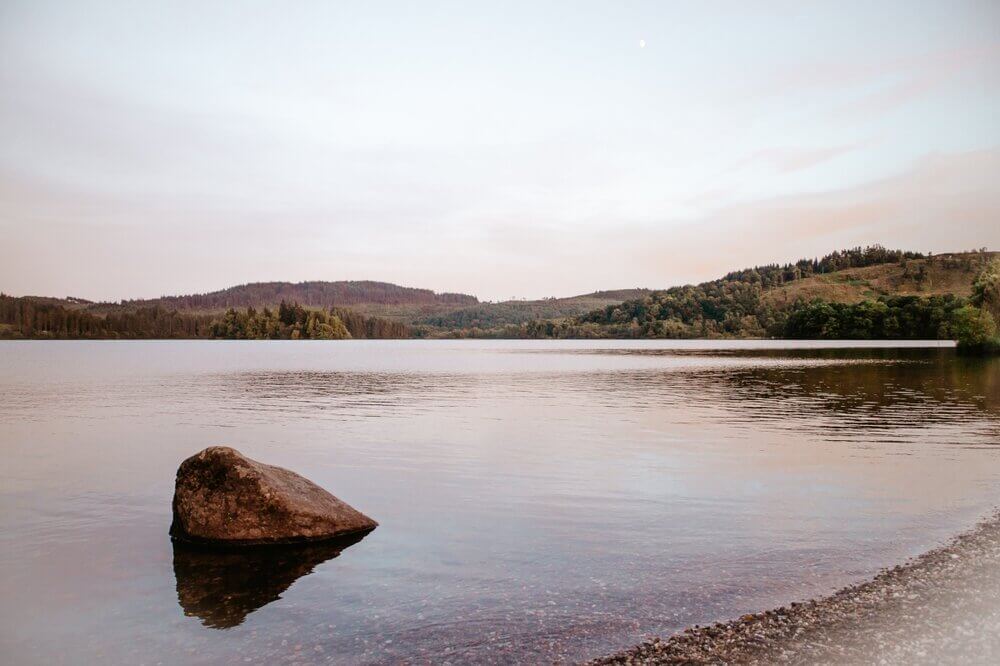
[[787, 160], [922, 77], [942, 203], [825, 74]]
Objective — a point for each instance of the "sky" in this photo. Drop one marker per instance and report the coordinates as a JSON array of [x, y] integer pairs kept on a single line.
[[503, 149]]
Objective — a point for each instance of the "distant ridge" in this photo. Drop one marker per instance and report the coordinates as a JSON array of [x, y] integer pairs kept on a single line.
[[858, 293], [316, 294]]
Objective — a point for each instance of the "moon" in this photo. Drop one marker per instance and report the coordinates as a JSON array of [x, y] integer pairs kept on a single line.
[[642, 43]]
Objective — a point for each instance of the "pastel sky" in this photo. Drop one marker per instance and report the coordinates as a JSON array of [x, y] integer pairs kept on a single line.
[[504, 149]]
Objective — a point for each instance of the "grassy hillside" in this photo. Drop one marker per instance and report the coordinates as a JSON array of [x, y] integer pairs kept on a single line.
[[932, 276]]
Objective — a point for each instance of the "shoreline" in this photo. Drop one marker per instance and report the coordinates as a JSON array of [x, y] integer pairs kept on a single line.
[[942, 606]]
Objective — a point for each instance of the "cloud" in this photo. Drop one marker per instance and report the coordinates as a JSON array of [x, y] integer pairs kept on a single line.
[[787, 160], [931, 65], [925, 77], [74, 244], [943, 203]]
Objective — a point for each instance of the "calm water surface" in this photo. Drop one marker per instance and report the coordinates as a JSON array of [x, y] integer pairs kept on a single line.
[[538, 501]]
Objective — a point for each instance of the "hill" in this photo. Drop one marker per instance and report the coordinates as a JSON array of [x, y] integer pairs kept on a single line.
[[932, 276], [69, 302], [868, 292], [858, 293], [368, 308], [308, 294], [421, 307]]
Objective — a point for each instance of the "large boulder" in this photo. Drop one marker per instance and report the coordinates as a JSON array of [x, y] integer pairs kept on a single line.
[[224, 498]]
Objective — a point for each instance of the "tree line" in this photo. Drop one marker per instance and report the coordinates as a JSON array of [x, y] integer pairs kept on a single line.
[[32, 318], [888, 318], [773, 275], [28, 318]]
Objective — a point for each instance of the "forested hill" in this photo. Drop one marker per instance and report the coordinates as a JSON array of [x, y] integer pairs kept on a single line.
[[860, 293], [308, 294], [868, 292]]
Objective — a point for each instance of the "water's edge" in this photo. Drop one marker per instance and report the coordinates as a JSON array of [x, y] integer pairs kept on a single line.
[[908, 613]]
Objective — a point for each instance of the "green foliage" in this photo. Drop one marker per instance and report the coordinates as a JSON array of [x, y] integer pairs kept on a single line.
[[893, 318], [897, 317], [773, 275], [975, 329], [986, 289], [732, 305], [977, 324], [290, 322], [293, 322]]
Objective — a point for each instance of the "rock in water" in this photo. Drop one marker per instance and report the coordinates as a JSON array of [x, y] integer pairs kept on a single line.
[[224, 498]]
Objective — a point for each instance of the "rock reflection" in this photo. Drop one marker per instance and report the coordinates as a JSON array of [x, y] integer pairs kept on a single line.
[[223, 587]]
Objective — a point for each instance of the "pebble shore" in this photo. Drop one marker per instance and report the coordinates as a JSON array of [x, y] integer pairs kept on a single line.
[[942, 607]]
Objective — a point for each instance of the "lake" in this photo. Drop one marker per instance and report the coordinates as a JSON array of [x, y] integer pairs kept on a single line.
[[538, 500]]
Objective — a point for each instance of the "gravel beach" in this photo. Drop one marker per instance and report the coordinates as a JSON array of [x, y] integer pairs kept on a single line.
[[942, 607]]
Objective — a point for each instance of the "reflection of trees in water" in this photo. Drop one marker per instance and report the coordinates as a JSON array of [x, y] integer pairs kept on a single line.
[[876, 388], [223, 587], [856, 389], [805, 353], [934, 386]]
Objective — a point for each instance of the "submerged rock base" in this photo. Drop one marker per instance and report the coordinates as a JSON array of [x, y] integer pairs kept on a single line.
[[940, 608], [224, 499]]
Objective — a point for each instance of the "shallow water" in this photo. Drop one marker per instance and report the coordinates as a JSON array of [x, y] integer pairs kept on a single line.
[[537, 500]]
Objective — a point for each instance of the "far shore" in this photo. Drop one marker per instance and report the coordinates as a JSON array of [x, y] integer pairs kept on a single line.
[[942, 607]]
